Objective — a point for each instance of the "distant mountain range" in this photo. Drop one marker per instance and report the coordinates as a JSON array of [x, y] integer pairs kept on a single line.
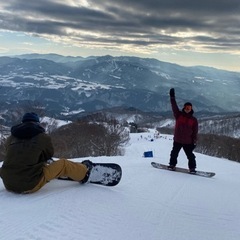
[[65, 86]]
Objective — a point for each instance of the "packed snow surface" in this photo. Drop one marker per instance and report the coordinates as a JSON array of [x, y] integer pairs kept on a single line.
[[148, 204]]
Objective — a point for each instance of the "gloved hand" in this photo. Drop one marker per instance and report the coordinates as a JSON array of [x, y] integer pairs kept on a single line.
[[172, 93]]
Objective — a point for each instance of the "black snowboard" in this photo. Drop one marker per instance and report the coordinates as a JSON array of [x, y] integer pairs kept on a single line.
[[183, 170], [107, 174]]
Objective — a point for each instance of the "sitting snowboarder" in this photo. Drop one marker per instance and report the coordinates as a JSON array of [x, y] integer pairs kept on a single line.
[[28, 149]]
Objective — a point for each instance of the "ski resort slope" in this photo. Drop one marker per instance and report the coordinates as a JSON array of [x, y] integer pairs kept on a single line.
[[148, 204]]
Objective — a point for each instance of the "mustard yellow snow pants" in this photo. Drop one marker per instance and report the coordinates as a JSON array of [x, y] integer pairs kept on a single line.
[[61, 168]]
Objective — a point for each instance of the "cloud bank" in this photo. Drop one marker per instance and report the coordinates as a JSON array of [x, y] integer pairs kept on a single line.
[[145, 26]]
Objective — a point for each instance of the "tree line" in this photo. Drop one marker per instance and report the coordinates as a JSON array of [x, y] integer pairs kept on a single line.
[[214, 145], [102, 135], [95, 135]]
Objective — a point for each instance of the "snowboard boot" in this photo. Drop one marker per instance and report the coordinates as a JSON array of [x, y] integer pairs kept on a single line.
[[171, 168], [192, 171], [89, 166]]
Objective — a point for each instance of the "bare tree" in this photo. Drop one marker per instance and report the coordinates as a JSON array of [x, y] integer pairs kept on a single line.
[[84, 138], [219, 146]]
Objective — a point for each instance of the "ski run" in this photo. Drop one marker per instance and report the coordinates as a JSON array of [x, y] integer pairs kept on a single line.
[[148, 203]]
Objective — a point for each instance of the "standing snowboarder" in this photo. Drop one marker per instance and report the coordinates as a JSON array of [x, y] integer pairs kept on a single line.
[[185, 133], [28, 149]]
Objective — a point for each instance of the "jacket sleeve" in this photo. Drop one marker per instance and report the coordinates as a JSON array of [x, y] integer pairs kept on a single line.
[[195, 132], [48, 150], [8, 141], [175, 108]]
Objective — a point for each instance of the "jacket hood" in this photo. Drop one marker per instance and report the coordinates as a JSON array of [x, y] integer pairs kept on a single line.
[[26, 130]]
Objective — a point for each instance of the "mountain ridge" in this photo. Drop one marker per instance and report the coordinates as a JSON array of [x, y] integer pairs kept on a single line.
[[65, 84]]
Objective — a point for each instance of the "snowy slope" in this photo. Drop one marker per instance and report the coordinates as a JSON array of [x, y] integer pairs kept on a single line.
[[148, 204]]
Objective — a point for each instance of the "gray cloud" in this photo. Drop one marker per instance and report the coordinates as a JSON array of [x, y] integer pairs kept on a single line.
[[204, 25]]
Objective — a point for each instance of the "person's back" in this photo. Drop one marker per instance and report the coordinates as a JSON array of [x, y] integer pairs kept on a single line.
[[26, 168], [27, 150]]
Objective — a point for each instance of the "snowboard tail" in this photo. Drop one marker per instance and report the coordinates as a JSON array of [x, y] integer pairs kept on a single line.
[[183, 170], [107, 174]]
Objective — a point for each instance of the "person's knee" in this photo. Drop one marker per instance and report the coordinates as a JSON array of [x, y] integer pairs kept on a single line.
[[61, 161]]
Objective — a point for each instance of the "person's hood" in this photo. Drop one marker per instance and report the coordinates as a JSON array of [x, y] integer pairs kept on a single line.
[[27, 130]]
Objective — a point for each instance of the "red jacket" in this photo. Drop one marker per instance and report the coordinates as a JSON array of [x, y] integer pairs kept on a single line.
[[186, 127]]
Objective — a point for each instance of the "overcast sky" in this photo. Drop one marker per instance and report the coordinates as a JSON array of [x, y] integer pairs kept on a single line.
[[186, 32]]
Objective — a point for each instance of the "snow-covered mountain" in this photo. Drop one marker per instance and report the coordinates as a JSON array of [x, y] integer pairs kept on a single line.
[[147, 204], [70, 85]]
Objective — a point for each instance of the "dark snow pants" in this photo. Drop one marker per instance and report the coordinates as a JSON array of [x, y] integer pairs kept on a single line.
[[188, 149]]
